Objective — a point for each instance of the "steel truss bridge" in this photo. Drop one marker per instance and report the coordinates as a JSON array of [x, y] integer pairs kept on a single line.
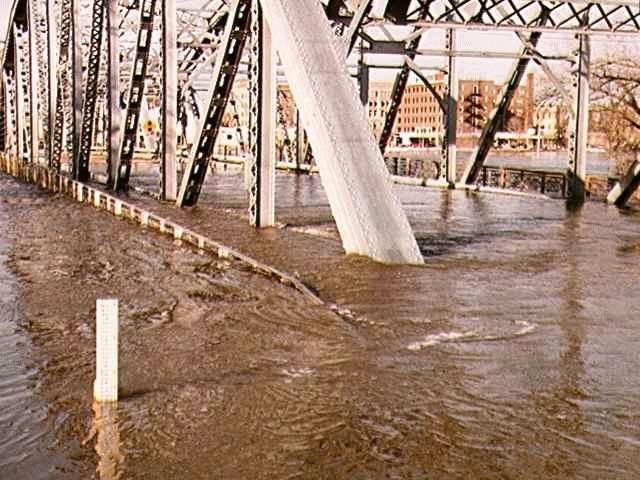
[[73, 67]]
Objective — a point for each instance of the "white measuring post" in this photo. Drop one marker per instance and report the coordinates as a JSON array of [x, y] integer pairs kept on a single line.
[[105, 388]]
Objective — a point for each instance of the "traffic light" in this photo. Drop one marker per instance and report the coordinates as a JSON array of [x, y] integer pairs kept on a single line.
[[473, 110]]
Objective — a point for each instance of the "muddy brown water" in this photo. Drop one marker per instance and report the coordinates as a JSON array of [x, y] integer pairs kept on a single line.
[[513, 353]]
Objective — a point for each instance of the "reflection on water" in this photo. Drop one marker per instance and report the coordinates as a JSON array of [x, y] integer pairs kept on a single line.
[[511, 354], [25, 440], [107, 445]]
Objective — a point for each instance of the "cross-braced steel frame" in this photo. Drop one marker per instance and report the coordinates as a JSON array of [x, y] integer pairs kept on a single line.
[[52, 72]]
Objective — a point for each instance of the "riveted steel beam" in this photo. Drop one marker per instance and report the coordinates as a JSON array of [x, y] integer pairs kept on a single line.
[[136, 93], [626, 187], [225, 68], [479, 155], [21, 82], [64, 82], [262, 122], [35, 64], [81, 169], [51, 69], [169, 136], [449, 149], [114, 113], [75, 130], [579, 125], [397, 91]]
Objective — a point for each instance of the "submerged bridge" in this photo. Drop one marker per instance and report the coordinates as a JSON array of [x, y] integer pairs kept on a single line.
[[76, 76]]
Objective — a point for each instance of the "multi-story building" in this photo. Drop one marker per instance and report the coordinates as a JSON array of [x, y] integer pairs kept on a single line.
[[420, 119]]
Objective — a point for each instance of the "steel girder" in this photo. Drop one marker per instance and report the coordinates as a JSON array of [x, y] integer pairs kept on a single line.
[[225, 68], [81, 169], [52, 83], [263, 100], [626, 187], [168, 173], [397, 91], [64, 54], [74, 132], [579, 124], [136, 93], [37, 88], [21, 82], [449, 148], [489, 131], [114, 114], [611, 17]]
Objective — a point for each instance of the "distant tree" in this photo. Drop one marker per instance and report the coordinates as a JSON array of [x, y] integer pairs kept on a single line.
[[615, 103], [615, 96]]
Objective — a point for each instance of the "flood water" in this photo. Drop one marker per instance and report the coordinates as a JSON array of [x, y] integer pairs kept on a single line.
[[26, 444], [513, 353]]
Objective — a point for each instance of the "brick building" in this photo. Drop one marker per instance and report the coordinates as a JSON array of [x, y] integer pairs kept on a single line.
[[420, 120]]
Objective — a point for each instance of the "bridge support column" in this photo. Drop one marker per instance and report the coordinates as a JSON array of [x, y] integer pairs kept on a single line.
[[75, 45], [224, 71], [8, 85], [448, 155], [369, 217], [52, 69], [625, 188], [169, 137], [20, 86], [34, 138], [114, 113], [136, 95], [579, 126], [83, 157], [263, 98]]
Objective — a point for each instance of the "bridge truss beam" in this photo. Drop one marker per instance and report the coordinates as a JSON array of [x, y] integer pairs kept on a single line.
[[397, 91], [579, 124], [225, 68], [169, 137], [35, 63], [368, 216], [487, 137], [114, 113], [51, 67], [450, 121], [613, 17], [136, 94], [21, 97], [81, 168], [262, 121], [626, 187]]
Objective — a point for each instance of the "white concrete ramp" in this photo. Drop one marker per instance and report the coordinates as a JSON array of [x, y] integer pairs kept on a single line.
[[369, 217]]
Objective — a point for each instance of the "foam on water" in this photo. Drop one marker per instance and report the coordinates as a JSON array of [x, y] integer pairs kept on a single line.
[[472, 336], [437, 338]]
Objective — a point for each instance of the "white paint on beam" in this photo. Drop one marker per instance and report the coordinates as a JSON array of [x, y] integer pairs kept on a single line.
[[267, 183], [623, 189], [169, 102], [368, 216]]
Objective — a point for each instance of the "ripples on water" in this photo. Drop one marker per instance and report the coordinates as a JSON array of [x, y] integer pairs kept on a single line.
[[25, 440], [511, 354]]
